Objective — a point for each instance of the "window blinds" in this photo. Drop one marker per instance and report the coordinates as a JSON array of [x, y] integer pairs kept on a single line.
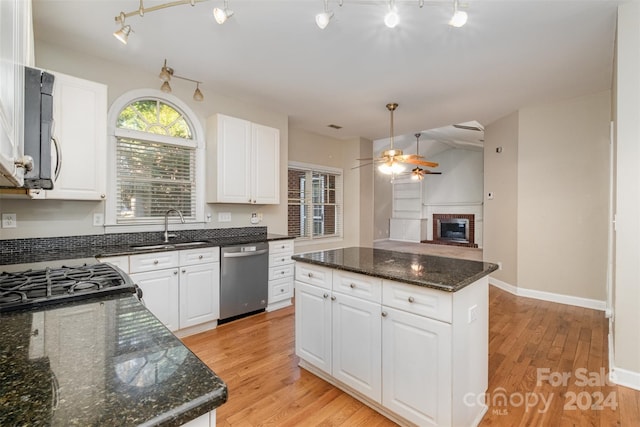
[[152, 178]]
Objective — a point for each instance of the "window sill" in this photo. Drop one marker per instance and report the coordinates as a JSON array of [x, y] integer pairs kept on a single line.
[[135, 228], [317, 241]]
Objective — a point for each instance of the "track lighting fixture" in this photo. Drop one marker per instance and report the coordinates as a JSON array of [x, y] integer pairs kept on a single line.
[[391, 19], [459, 17], [322, 19], [123, 33], [166, 73], [221, 15]]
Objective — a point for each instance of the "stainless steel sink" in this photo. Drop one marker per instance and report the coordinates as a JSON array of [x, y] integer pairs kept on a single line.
[[146, 247], [194, 243]]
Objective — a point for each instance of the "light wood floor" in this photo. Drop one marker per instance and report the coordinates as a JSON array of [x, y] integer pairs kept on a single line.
[[255, 357]]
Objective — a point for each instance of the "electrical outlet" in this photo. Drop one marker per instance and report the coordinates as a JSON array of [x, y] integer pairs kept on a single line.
[[9, 220], [499, 265], [224, 216], [98, 219], [254, 218], [473, 313]]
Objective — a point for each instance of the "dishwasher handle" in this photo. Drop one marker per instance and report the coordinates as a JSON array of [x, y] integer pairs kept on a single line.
[[244, 254]]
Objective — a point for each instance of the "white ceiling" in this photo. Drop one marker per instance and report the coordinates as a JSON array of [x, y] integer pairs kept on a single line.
[[511, 53]]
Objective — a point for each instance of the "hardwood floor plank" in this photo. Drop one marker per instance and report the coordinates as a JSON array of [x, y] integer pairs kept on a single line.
[[529, 341]]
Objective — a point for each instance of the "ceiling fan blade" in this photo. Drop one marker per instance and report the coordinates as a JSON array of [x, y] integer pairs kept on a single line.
[[359, 166], [368, 158], [406, 157], [422, 163]]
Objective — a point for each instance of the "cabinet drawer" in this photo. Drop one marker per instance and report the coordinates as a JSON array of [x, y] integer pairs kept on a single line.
[[281, 246], [358, 285], [276, 260], [418, 300], [314, 274], [154, 261], [122, 262], [280, 289], [199, 256], [280, 272]]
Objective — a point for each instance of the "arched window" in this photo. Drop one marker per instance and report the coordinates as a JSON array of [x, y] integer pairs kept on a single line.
[[154, 162]]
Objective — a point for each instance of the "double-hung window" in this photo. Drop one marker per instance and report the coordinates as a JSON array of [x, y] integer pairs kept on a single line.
[[315, 201], [155, 163]]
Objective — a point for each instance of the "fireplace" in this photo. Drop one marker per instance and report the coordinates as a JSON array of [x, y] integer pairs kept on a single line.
[[454, 229]]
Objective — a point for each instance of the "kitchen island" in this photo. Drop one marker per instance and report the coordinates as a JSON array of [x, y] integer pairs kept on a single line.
[[103, 361], [406, 334]]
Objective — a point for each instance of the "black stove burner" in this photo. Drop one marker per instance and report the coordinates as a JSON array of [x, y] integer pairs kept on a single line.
[[53, 285]]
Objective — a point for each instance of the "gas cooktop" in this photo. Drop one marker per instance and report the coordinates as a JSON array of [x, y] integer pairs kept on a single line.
[[34, 288]]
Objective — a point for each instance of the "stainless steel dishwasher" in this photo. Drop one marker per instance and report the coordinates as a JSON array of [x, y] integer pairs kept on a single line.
[[244, 276]]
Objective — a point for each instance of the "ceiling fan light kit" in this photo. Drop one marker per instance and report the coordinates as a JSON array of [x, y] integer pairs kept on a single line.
[[222, 15]]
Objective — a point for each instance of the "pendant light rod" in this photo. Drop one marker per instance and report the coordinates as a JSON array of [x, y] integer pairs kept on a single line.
[[391, 107]]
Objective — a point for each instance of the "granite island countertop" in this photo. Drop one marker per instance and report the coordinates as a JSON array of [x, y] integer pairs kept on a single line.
[[441, 273], [104, 361]]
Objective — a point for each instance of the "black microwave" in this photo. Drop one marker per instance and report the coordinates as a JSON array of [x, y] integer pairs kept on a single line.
[[38, 124]]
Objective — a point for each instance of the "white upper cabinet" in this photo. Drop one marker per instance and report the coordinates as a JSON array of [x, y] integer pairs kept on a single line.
[[14, 46], [80, 139], [247, 162]]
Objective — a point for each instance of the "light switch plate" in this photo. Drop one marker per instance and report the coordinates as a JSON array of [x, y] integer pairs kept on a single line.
[[224, 216], [98, 219], [9, 220]]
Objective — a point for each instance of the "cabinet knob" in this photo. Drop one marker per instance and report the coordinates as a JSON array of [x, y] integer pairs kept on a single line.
[[384, 314], [281, 290], [310, 275], [175, 271], [411, 299], [284, 259], [155, 262], [282, 247], [325, 296], [200, 257], [184, 271], [102, 196], [333, 297], [282, 272], [352, 286]]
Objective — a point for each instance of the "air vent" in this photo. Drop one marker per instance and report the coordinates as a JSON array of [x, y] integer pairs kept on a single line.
[[474, 128], [334, 126]]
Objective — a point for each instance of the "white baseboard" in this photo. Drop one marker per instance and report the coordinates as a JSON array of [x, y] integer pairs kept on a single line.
[[549, 296], [381, 240], [624, 377]]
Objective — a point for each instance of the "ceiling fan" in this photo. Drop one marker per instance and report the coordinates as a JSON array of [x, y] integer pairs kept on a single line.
[[390, 160], [418, 173]]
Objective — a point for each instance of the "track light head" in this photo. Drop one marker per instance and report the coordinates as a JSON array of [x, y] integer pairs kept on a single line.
[[165, 87], [221, 15], [197, 95], [391, 19], [123, 33], [459, 17], [322, 19]]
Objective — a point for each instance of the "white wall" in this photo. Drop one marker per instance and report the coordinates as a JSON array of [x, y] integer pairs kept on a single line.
[[563, 196], [626, 304], [500, 242], [461, 181]]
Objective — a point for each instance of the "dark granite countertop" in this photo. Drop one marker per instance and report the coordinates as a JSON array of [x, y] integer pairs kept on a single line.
[[85, 248], [445, 274], [104, 361]]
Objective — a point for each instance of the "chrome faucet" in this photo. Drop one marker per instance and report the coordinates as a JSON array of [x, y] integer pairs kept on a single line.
[[166, 223]]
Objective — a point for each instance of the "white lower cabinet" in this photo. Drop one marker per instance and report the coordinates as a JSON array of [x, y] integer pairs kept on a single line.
[[181, 288], [160, 293], [410, 352], [280, 274], [416, 367]]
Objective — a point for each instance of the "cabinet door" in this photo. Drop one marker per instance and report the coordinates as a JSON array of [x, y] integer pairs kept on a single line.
[[80, 130], [356, 351], [199, 294], [13, 38], [160, 294], [233, 160], [265, 165], [313, 325], [416, 367]]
